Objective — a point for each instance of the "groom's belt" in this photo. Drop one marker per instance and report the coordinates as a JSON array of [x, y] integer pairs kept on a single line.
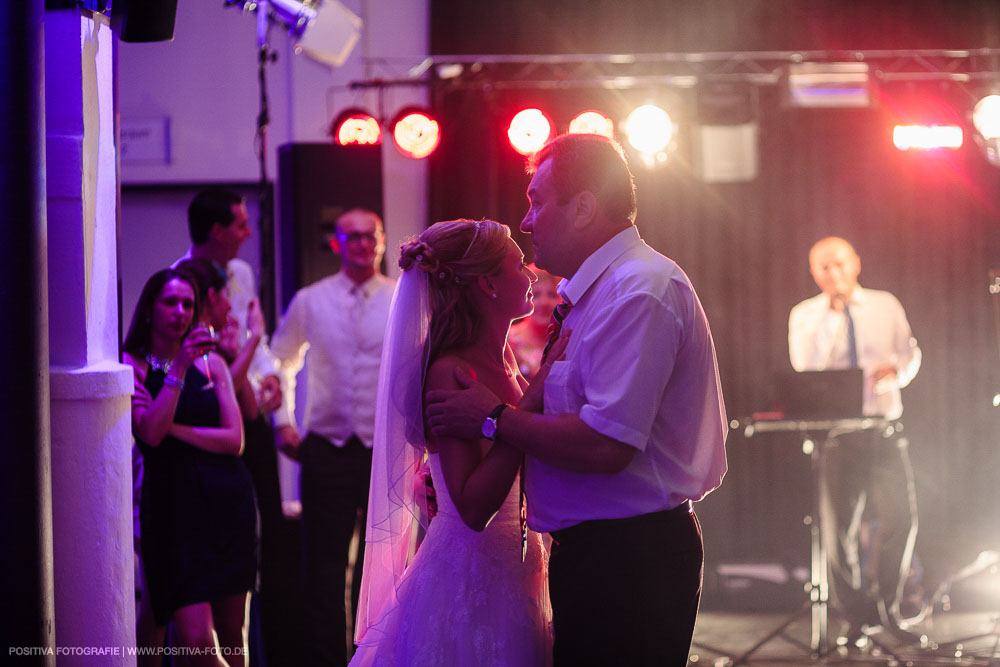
[[664, 518]]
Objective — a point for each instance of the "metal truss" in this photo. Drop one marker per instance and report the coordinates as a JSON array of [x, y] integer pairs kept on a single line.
[[686, 70]]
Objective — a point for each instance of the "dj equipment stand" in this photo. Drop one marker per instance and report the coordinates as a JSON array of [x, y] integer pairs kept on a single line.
[[818, 604]]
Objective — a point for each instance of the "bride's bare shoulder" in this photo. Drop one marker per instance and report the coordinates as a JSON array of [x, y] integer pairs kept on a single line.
[[441, 372]]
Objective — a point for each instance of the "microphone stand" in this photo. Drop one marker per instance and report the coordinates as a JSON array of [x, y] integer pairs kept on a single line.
[[266, 189]]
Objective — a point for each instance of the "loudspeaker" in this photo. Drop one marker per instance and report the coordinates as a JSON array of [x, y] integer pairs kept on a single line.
[[726, 153], [144, 20], [316, 184], [99, 6]]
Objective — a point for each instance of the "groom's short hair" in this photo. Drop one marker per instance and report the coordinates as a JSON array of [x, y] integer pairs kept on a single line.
[[593, 163]]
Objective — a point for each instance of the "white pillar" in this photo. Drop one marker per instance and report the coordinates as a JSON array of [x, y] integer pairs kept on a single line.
[[90, 389]]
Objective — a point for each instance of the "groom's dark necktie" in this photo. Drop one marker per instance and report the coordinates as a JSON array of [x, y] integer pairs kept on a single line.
[[551, 336], [555, 327]]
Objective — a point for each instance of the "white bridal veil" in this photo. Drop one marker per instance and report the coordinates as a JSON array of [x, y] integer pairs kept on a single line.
[[396, 454]]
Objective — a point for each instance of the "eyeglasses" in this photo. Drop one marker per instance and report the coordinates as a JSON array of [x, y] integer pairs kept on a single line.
[[355, 237]]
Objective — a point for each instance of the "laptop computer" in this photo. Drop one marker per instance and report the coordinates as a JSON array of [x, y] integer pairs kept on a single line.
[[820, 394]]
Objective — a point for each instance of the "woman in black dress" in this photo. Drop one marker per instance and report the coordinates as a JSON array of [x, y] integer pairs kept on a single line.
[[197, 514], [214, 308]]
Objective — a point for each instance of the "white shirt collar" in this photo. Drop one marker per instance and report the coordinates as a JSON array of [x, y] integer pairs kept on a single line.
[[573, 289], [367, 288], [857, 298]]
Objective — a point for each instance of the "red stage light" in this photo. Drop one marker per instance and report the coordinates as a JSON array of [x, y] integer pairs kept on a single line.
[[529, 130], [416, 134], [592, 122], [355, 127], [926, 137]]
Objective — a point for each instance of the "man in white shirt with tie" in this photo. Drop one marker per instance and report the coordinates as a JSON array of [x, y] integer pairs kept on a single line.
[[340, 320], [869, 478]]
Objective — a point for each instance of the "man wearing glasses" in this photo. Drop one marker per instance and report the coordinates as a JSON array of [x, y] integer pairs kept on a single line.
[[341, 321]]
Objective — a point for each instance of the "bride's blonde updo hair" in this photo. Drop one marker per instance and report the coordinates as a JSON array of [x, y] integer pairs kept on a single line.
[[454, 254]]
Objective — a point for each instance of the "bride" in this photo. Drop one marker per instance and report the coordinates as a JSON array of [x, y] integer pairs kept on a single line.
[[476, 591]]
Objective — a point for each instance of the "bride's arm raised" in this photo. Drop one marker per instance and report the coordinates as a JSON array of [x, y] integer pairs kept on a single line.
[[478, 475]]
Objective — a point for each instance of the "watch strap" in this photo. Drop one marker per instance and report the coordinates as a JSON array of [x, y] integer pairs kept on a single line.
[[495, 414]]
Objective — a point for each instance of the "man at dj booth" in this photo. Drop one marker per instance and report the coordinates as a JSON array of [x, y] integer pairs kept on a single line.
[[869, 498]]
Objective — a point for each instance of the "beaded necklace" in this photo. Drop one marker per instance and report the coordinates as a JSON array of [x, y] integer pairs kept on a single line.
[[157, 364]]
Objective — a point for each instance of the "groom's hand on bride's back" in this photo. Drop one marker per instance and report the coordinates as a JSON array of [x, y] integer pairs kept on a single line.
[[459, 413]]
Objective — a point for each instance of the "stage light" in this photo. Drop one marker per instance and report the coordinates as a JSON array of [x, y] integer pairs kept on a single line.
[[332, 35], [828, 85], [529, 130], [649, 129], [356, 127], [926, 137], [986, 117], [592, 122], [416, 134], [333, 32]]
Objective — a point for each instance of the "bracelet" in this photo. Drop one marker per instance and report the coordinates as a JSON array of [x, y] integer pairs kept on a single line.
[[171, 381]]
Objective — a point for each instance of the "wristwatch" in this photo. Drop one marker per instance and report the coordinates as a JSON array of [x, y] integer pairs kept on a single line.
[[491, 422]]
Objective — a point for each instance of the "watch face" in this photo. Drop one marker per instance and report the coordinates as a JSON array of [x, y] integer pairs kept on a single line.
[[489, 428]]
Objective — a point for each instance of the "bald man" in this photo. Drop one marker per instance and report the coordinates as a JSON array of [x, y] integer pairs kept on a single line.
[[870, 518]]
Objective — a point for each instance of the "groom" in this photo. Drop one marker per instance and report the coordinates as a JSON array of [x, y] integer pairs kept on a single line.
[[634, 424]]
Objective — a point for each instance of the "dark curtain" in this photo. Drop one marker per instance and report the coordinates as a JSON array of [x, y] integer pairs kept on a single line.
[[927, 228], [653, 26]]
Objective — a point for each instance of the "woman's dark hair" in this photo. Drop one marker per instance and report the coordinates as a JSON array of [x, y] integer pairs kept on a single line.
[[206, 273], [139, 335]]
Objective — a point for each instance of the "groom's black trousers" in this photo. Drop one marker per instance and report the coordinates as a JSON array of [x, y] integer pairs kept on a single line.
[[626, 591]]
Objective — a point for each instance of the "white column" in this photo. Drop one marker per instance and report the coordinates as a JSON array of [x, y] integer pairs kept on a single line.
[[90, 389]]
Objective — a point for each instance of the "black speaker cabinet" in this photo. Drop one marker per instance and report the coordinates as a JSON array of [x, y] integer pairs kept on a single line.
[[316, 183], [144, 20]]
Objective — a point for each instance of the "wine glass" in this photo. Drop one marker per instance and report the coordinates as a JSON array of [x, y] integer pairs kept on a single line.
[[204, 355]]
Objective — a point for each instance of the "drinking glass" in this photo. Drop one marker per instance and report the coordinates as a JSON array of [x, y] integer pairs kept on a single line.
[[204, 355]]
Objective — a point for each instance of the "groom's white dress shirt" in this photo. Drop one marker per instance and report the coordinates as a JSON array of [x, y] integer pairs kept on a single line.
[[640, 367]]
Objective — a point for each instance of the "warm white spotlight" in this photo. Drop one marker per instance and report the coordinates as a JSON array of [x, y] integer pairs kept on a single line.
[[355, 127], [529, 130], [986, 117], [649, 129], [416, 134], [592, 122]]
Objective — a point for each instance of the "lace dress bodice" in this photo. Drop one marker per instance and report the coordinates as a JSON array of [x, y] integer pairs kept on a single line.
[[501, 536], [467, 599]]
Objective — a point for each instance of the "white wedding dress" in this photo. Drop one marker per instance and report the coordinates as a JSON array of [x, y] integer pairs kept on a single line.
[[467, 600]]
